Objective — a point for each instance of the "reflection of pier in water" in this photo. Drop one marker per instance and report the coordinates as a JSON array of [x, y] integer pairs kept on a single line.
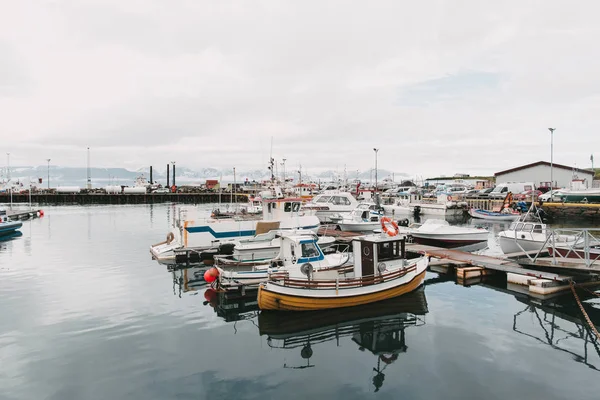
[[379, 328]]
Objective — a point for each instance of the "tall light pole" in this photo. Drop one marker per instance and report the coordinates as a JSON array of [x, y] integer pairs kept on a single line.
[[551, 160], [376, 151], [284, 172], [89, 170], [8, 166], [48, 159]]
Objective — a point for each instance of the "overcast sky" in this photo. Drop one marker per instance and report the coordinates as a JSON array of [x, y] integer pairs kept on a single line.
[[439, 86]]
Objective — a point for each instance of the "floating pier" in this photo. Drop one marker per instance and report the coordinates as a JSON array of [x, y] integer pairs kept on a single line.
[[21, 215]]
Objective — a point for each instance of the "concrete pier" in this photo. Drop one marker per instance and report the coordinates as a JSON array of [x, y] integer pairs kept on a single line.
[[121, 198]]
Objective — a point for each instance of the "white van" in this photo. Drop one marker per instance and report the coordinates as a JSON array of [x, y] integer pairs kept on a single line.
[[502, 189]]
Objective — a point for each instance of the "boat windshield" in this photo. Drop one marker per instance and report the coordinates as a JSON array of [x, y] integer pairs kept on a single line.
[[323, 199], [528, 227], [538, 228], [309, 250], [512, 226], [519, 226]]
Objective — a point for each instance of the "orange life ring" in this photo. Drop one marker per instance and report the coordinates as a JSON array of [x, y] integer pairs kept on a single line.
[[391, 231], [170, 237]]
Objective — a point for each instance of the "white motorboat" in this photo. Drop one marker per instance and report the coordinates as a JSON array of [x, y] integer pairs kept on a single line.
[[529, 233], [443, 205], [437, 232], [190, 230], [266, 246], [366, 217], [329, 203], [295, 250]]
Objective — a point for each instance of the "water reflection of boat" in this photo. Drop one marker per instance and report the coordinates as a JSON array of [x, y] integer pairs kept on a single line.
[[232, 306], [378, 328], [187, 278]]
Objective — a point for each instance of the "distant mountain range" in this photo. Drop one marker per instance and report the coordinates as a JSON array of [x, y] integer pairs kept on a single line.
[[77, 176]]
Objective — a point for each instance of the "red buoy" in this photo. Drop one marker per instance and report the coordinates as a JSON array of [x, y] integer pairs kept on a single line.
[[211, 275], [41, 213], [211, 297]]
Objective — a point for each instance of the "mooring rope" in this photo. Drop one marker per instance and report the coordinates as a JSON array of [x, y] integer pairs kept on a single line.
[[589, 291], [585, 315]]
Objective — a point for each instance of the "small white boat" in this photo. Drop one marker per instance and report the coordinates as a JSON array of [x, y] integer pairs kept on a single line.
[[295, 251], [382, 269], [437, 232], [494, 216], [364, 218], [529, 236], [331, 202], [266, 246]]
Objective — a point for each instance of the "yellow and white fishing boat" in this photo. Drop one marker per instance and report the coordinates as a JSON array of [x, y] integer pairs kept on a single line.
[[382, 270]]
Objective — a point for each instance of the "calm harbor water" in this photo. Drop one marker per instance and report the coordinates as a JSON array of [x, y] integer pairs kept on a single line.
[[86, 314]]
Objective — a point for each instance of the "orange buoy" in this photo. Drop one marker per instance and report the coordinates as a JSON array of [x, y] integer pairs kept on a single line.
[[211, 275]]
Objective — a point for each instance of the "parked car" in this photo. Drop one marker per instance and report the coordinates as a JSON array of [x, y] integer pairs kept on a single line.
[[527, 195], [472, 194], [557, 195], [502, 189], [161, 190], [484, 193]]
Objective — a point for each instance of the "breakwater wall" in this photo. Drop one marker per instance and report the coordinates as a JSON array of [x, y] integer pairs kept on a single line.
[[121, 198], [572, 211]]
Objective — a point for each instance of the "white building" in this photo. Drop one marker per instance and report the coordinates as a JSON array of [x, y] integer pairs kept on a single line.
[[539, 174]]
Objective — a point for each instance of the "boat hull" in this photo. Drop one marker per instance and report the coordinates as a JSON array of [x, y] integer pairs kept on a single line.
[[359, 226], [452, 240], [8, 228], [512, 245], [492, 216], [268, 299]]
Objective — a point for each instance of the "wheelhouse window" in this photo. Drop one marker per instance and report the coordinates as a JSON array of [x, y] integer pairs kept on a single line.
[[519, 226], [389, 250], [528, 227], [309, 250], [323, 199], [296, 206], [512, 226], [287, 207], [537, 229]]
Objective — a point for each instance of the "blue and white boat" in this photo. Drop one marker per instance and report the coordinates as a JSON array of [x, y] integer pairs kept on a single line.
[[191, 230], [505, 215], [9, 228]]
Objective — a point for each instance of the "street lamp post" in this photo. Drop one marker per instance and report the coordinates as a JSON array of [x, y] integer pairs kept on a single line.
[[48, 159], [551, 160], [375, 150], [284, 172]]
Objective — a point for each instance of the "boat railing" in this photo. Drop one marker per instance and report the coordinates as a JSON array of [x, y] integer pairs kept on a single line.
[[346, 282], [567, 243]]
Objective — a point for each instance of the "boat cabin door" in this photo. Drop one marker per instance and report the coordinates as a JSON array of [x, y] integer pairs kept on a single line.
[[367, 258]]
